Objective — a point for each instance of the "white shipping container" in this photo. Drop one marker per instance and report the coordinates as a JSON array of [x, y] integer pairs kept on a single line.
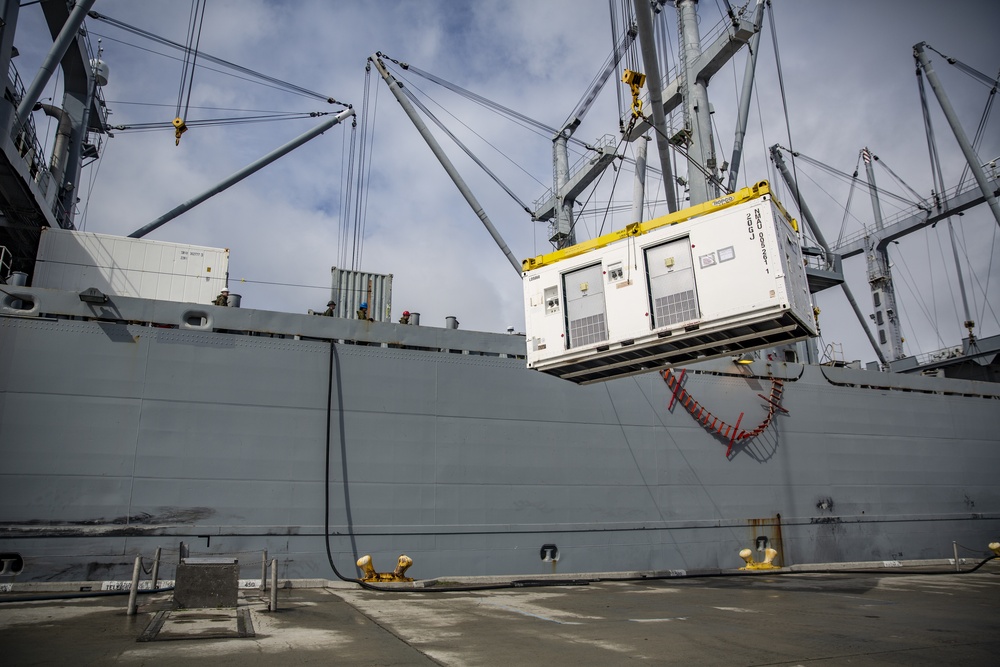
[[117, 265], [725, 282]]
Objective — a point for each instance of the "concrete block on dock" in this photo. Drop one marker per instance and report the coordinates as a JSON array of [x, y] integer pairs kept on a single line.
[[207, 582]]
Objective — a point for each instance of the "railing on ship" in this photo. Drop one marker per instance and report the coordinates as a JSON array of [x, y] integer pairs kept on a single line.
[[93, 305], [25, 140], [605, 143], [937, 356], [5, 264], [909, 212]]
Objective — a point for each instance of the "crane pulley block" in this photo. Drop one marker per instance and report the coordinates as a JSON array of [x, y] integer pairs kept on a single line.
[[179, 128], [634, 80]]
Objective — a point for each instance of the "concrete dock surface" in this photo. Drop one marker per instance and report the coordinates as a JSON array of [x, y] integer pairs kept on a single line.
[[877, 618]]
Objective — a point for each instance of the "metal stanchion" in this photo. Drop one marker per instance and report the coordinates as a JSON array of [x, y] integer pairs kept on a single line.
[[274, 585], [134, 591], [263, 570], [954, 547], [156, 569]]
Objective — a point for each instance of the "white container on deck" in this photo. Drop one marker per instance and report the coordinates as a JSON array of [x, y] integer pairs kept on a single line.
[[670, 291], [118, 265]]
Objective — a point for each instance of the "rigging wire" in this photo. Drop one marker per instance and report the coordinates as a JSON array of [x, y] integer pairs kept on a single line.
[[539, 128], [976, 144], [346, 237], [520, 119], [614, 183], [784, 101], [284, 85], [938, 179], [966, 69], [194, 55], [614, 38], [920, 202], [364, 174], [980, 312], [50, 121], [202, 66], [355, 159], [196, 19], [486, 141], [347, 152], [848, 178], [342, 210], [348, 220], [92, 184], [986, 301], [186, 61], [958, 268], [763, 139], [721, 149], [663, 36], [736, 96], [905, 317], [499, 109], [665, 39], [906, 277], [691, 162], [847, 207], [847, 212], [408, 91], [203, 108], [631, 58], [234, 120], [981, 128], [593, 190], [534, 126], [624, 45], [678, 149]]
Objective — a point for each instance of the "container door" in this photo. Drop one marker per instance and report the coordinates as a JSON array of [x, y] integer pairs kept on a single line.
[[795, 275], [586, 319], [672, 290]]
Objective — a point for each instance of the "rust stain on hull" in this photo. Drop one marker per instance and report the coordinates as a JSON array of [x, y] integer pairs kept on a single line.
[[768, 528]]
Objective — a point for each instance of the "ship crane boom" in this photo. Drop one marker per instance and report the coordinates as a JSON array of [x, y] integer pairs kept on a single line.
[[395, 89]]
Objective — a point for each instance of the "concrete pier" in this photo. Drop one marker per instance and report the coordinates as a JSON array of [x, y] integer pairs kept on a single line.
[[876, 618]]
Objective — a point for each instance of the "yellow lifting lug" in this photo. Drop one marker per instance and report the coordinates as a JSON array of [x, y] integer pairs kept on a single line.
[[634, 81], [403, 563], [995, 548], [179, 129]]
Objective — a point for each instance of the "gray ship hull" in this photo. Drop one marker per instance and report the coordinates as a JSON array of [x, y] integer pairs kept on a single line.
[[141, 424]]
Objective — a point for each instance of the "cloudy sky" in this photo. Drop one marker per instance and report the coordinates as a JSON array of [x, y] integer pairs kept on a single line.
[[848, 77]]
